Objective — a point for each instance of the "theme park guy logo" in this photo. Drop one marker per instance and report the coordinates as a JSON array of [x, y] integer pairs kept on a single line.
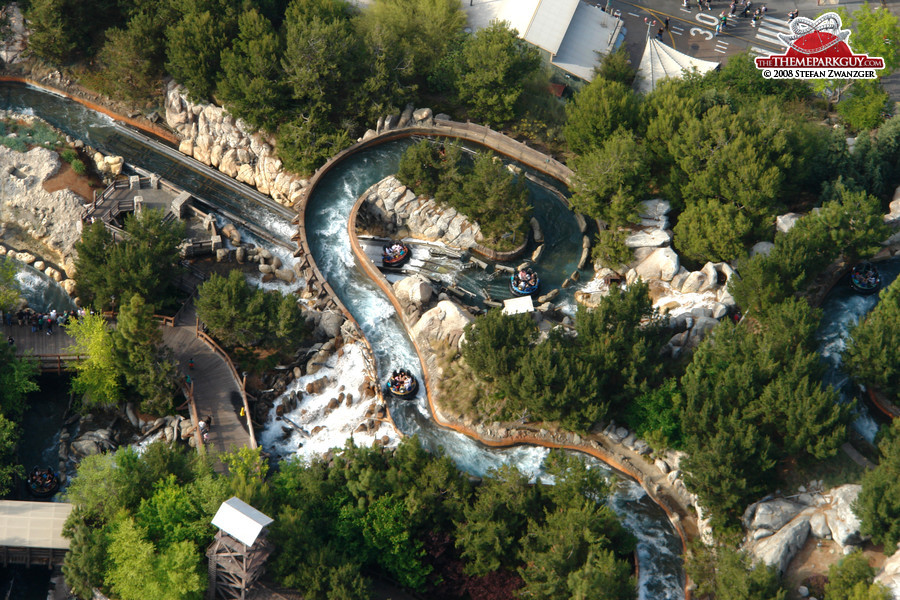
[[818, 50]]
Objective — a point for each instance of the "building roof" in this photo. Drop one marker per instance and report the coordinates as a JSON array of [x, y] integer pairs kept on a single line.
[[661, 61], [515, 306], [240, 520], [550, 23], [591, 31], [33, 524]]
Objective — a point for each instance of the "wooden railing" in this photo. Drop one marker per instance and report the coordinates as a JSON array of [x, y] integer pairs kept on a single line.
[[188, 389], [49, 363], [242, 383]]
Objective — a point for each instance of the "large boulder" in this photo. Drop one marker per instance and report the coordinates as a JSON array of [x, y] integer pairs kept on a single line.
[[329, 324], [777, 550], [414, 289], [761, 248], [443, 323], [661, 264], [652, 238], [772, 514], [890, 575], [784, 223], [842, 521], [693, 282], [653, 209]]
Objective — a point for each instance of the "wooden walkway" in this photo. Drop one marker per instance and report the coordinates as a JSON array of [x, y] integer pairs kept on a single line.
[[216, 393]]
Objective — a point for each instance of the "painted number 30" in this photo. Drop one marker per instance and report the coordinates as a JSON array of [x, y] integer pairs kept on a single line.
[[702, 32]]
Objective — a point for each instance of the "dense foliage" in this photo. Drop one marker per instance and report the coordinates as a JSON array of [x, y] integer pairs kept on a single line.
[[751, 396], [145, 263], [721, 573], [872, 355], [240, 314], [128, 361], [482, 189], [878, 504], [314, 73], [141, 523], [576, 380], [17, 380], [853, 579], [406, 514]]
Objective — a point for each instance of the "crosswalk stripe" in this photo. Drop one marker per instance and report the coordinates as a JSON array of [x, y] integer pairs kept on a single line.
[[720, 51], [760, 51], [690, 12], [766, 38], [634, 14], [677, 32], [768, 31], [677, 28]]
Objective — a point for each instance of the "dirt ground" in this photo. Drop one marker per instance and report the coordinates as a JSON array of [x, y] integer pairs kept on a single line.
[[66, 178], [815, 558]]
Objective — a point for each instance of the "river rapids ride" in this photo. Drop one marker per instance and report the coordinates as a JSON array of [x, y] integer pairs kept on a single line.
[[865, 278], [395, 254], [402, 385], [42, 483], [524, 282]]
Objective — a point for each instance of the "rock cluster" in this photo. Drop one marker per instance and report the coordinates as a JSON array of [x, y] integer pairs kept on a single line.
[[214, 137], [410, 117], [778, 527], [390, 207], [890, 574], [443, 324]]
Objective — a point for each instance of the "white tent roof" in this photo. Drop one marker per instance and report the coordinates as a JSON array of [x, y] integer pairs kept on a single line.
[[240, 520], [591, 31], [661, 61], [515, 306], [541, 22], [33, 524]]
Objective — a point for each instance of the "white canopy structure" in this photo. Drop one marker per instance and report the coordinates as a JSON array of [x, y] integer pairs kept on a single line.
[[661, 61], [240, 520], [517, 306], [571, 32]]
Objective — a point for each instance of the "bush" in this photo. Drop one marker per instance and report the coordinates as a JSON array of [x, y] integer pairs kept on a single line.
[[68, 155], [78, 167]]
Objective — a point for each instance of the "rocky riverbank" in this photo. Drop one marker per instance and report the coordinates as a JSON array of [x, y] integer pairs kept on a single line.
[[392, 210]]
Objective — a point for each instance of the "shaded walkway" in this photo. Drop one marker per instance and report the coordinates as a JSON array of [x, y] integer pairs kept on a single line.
[[216, 393]]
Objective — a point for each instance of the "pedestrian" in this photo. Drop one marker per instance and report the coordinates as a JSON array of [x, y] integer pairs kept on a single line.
[[732, 8], [667, 23], [724, 21], [659, 34], [49, 326], [191, 364], [718, 28], [706, 2], [10, 340]]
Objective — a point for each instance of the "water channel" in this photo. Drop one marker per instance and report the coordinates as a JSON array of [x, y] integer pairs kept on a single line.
[[659, 547]]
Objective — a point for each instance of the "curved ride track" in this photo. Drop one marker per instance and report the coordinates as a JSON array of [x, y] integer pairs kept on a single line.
[[656, 486], [642, 517]]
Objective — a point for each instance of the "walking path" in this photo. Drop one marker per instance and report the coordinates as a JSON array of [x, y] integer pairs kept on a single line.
[[216, 392]]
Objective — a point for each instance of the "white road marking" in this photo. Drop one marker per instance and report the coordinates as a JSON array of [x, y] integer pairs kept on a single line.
[[720, 51], [688, 11], [633, 14], [677, 28], [677, 32], [766, 38], [774, 33], [760, 51]]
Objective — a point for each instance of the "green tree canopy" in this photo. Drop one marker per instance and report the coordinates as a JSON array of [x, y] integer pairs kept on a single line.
[[239, 314], [878, 504], [252, 82], [196, 40], [145, 263], [616, 170], [872, 355], [852, 578], [147, 365], [597, 111], [495, 65], [98, 375]]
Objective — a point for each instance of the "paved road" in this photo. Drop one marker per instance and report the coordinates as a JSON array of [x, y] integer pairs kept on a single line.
[[691, 31]]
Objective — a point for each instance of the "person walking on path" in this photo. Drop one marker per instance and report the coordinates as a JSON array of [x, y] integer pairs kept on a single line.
[[659, 34], [667, 23], [191, 364]]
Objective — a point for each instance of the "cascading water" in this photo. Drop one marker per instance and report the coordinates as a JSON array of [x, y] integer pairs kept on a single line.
[[40, 292], [842, 310], [326, 224], [659, 547]]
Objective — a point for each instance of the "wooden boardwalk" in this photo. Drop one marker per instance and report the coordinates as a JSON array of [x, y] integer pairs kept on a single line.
[[216, 393]]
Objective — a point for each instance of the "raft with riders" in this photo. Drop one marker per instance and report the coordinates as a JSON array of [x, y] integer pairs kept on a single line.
[[524, 282], [865, 278], [42, 483], [395, 254], [402, 385]]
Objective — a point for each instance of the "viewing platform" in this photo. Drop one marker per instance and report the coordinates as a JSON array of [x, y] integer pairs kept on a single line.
[[31, 533]]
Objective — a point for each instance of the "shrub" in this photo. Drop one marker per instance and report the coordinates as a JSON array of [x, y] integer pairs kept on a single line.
[[68, 155], [78, 167]]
